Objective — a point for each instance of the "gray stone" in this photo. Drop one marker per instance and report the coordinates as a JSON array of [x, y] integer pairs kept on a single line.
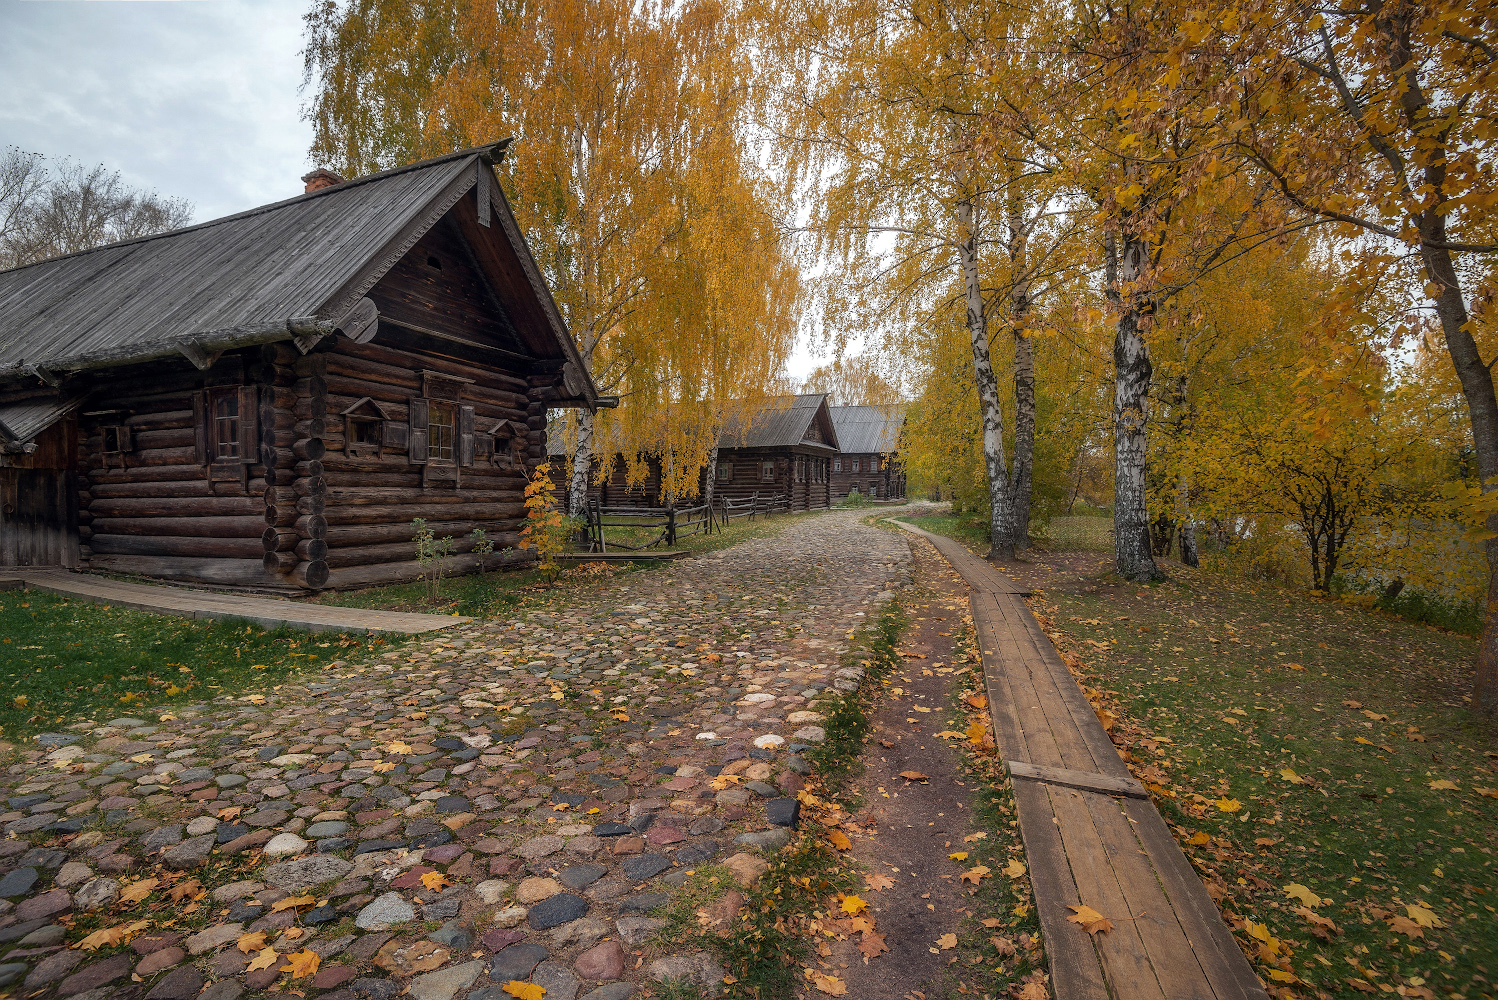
[[581, 876], [442, 984], [765, 840], [559, 909], [634, 930], [72, 874], [385, 912], [230, 780], [705, 824], [202, 825], [644, 902], [126, 723], [163, 836], [454, 935], [699, 968], [190, 853], [645, 866], [695, 854], [797, 764], [53, 967], [96, 893], [587, 931], [224, 989], [557, 980], [307, 872], [10, 972], [213, 938], [516, 962], [611, 991], [284, 845], [540, 847], [18, 883], [380, 989], [783, 812], [329, 828], [191, 774], [179, 984], [45, 937]]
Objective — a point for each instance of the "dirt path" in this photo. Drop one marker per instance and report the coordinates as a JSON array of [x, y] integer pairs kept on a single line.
[[913, 826]]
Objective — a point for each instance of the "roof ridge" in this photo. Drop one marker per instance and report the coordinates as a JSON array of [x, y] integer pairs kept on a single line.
[[272, 206]]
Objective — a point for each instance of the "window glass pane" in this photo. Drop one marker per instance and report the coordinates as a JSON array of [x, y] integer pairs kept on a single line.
[[226, 425], [440, 426]]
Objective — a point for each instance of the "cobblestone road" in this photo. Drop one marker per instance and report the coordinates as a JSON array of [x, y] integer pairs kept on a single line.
[[511, 800]]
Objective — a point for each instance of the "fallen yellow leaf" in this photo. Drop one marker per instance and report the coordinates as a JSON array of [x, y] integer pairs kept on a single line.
[[1422, 915], [251, 942], [946, 941], [830, 985], [302, 963], [267, 958], [1090, 920], [1015, 868], [435, 881], [1228, 805], [853, 906], [1443, 785], [383, 766], [292, 902], [975, 875], [839, 840], [1289, 775], [137, 891], [958, 855], [1305, 896]]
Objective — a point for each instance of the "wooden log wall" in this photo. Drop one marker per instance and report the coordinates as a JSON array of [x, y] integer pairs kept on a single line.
[[889, 480], [356, 509], [805, 495], [152, 509]]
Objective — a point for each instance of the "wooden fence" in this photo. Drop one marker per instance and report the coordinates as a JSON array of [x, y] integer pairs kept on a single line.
[[673, 523]]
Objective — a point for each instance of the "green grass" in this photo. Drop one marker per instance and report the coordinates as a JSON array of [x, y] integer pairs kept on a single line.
[[1375, 716], [974, 536], [1079, 534], [62, 661]]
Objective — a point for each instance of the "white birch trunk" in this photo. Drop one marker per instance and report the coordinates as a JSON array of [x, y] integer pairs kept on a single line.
[[582, 465], [1001, 519], [1132, 371]]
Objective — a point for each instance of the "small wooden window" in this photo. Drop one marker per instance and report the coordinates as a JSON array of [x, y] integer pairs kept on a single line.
[[227, 439], [725, 472], [767, 472], [874, 464], [116, 439], [837, 465], [855, 465], [225, 417]]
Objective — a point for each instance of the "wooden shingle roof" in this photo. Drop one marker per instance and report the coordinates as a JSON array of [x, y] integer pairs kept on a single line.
[[293, 270], [782, 422], [868, 429]]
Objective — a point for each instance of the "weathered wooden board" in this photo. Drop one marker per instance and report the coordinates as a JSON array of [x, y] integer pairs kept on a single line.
[[1085, 780]]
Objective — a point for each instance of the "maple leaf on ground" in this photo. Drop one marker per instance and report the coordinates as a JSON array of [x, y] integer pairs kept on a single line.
[[435, 881], [1311, 916], [1033, 991], [137, 891], [1090, 920], [267, 958], [1443, 785], [383, 766], [524, 991], [871, 945], [186, 890], [1289, 775], [946, 941], [977, 700], [398, 747], [958, 856], [1004, 946], [980, 835], [251, 942], [1299, 892], [230, 812], [1491, 793], [292, 902], [111, 936], [975, 875], [302, 963], [830, 985], [913, 776], [1199, 838], [1352, 704], [991, 922], [1227, 805], [1423, 915], [839, 840], [853, 906], [1407, 927], [1015, 868], [877, 882], [860, 924]]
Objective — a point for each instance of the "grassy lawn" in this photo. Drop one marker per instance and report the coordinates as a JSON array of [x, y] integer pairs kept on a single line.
[[64, 661], [501, 594], [1080, 533], [1320, 769]]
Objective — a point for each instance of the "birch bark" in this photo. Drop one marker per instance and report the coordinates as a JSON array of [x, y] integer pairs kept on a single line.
[[1132, 371], [582, 465], [1001, 517]]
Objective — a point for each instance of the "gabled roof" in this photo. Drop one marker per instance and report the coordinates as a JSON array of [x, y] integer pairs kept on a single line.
[[294, 270], [867, 429], [21, 422], [782, 422]]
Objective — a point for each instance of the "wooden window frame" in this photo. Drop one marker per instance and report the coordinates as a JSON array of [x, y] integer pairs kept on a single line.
[[245, 435], [767, 471], [837, 465], [855, 470], [441, 460], [724, 473]]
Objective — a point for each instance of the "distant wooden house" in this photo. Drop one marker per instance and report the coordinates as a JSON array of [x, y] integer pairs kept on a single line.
[[269, 399], [615, 490], [786, 447], [869, 461]]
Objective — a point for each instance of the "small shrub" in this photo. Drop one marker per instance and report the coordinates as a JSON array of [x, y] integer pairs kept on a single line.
[[431, 553], [483, 547], [546, 530]]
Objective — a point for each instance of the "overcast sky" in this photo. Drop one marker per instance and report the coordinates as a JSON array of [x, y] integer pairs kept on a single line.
[[195, 98]]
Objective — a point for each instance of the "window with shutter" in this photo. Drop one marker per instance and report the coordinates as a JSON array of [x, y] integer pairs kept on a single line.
[[465, 435], [417, 446]]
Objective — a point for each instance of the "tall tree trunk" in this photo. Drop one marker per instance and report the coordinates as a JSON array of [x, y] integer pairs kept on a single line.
[[1021, 476], [582, 465], [1183, 481], [1482, 408], [712, 475], [1132, 371], [1001, 514]]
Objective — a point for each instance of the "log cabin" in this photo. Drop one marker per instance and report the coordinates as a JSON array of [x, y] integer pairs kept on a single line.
[[269, 399], [869, 461], [785, 447]]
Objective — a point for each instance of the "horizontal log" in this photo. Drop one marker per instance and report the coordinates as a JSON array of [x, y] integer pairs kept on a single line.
[[312, 468], [159, 421], [202, 527], [345, 496], [280, 353], [279, 562], [177, 545], [404, 551], [409, 359], [279, 539], [177, 507], [277, 458], [314, 504], [180, 488], [163, 456], [311, 549], [312, 526], [166, 437], [315, 427], [311, 364], [154, 474], [185, 568], [378, 574], [85, 532], [310, 407], [403, 513], [501, 533], [311, 386], [281, 515], [310, 486]]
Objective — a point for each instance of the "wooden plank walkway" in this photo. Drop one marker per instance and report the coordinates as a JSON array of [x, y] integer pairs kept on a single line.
[[1091, 836], [267, 612]]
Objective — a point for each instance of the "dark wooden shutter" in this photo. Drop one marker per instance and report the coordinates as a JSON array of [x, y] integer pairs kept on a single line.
[[125, 438], [465, 435], [249, 424], [417, 447], [200, 426]]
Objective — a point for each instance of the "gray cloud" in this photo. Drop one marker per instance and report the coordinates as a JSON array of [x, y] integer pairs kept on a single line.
[[195, 98]]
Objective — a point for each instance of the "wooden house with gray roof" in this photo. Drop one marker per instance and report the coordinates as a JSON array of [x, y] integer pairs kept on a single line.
[[267, 400], [784, 447], [870, 458]]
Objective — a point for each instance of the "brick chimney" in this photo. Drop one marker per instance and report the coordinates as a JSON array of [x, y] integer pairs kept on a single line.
[[319, 179]]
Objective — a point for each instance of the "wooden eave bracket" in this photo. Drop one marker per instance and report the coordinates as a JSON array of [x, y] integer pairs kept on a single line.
[[43, 375], [202, 359], [380, 412], [361, 323], [1089, 781]]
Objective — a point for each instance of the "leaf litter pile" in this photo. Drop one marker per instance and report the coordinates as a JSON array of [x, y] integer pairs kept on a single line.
[[1319, 768]]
